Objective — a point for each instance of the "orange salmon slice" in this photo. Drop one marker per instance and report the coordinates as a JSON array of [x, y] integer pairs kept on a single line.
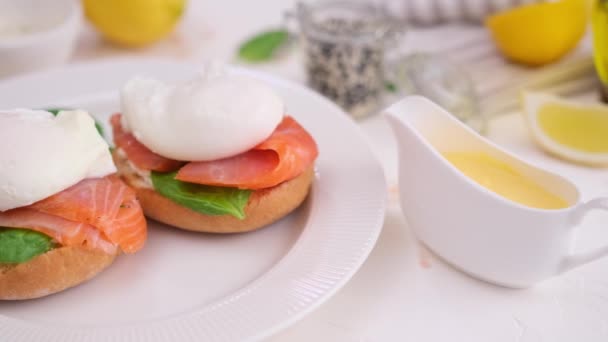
[[94, 213], [284, 155]]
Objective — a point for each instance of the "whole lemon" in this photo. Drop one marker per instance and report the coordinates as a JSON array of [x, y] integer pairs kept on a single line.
[[539, 33], [134, 23]]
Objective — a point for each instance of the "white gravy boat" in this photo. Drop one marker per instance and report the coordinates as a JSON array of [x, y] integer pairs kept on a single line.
[[472, 228]]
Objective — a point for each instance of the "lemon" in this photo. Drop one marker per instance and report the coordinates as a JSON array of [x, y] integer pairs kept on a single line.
[[134, 23], [539, 33], [574, 131]]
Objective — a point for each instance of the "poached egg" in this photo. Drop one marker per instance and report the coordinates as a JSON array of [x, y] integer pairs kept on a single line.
[[43, 154], [215, 115]]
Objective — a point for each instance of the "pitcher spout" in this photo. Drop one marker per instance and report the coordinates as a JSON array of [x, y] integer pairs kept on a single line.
[[400, 116]]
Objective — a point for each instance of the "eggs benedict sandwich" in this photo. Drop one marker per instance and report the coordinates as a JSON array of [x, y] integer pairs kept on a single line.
[[64, 214], [213, 154]]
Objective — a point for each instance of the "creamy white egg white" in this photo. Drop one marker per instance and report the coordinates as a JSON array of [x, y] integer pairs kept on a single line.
[[217, 114], [42, 154]]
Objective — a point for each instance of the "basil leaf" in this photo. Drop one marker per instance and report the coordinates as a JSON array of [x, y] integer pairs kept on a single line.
[[56, 111], [390, 87], [263, 46], [20, 245], [209, 200]]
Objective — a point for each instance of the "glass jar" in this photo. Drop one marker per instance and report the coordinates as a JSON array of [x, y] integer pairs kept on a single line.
[[352, 55], [345, 44]]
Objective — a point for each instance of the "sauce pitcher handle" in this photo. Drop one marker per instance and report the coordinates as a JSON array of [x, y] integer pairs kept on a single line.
[[578, 259]]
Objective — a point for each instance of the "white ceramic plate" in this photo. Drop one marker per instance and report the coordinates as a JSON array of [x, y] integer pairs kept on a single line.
[[198, 287]]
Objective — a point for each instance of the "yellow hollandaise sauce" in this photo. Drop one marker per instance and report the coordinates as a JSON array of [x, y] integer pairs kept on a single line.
[[501, 178]]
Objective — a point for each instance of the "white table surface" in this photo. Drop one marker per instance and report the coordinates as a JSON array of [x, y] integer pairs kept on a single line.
[[403, 292]]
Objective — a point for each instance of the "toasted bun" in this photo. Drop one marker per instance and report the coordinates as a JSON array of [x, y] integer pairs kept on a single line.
[[51, 272], [265, 206]]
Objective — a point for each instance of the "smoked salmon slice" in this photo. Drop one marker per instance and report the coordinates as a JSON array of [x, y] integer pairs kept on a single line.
[[107, 204], [139, 154], [65, 232], [288, 152]]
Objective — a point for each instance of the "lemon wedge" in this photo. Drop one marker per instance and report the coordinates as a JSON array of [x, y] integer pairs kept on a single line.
[[574, 131], [539, 33]]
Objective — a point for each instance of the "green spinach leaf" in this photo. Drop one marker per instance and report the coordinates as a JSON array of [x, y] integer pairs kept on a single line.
[[20, 245], [209, 200]]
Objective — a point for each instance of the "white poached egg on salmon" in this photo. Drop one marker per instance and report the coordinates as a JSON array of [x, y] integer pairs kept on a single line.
[[43, 154], [213, 116]]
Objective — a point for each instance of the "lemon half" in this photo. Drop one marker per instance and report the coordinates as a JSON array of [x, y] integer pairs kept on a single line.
[[539, 33], [574, 131]]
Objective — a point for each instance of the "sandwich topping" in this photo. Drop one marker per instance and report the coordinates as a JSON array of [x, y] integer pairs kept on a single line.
[[71, 196], [284, 155], [216, 149]]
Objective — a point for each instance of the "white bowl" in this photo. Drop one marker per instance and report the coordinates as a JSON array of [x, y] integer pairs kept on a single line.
[[36, 34]]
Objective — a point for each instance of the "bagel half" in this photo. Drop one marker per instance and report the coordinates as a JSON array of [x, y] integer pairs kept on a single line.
[[265, 206], [51, 272]]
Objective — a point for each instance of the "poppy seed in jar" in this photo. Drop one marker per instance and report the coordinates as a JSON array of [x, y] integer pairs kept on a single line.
[[348, 71]]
